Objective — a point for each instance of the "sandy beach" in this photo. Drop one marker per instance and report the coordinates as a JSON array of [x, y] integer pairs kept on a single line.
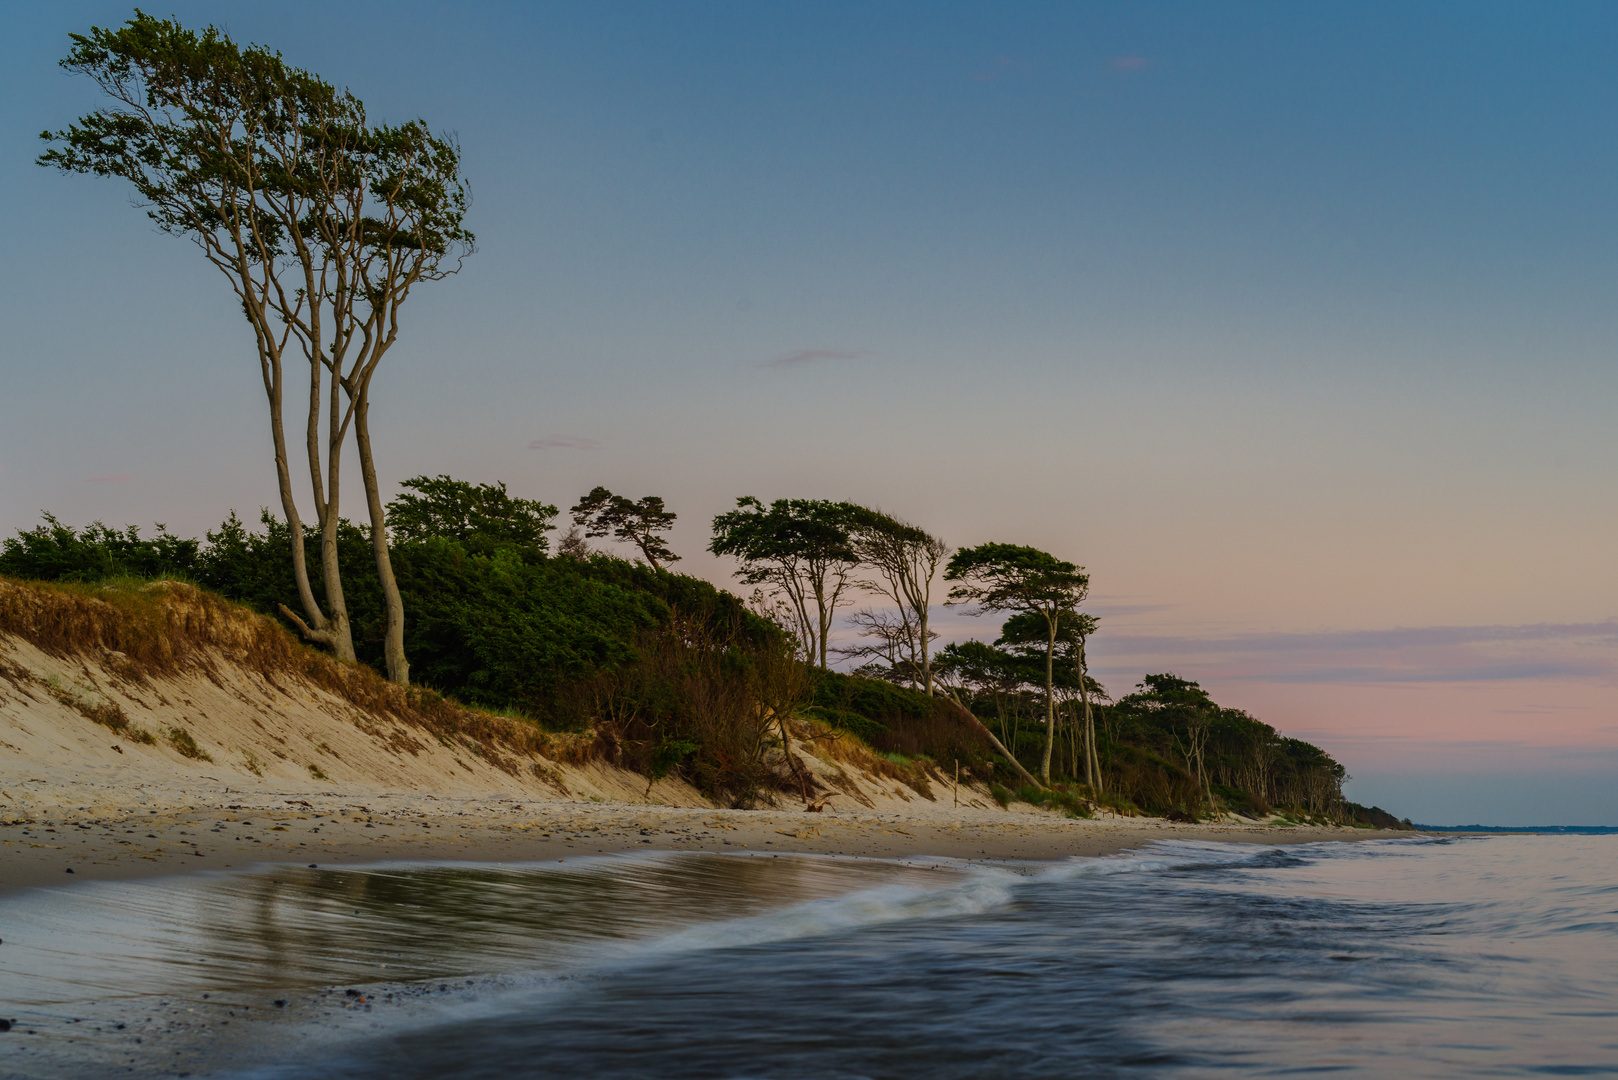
[[103, 843]]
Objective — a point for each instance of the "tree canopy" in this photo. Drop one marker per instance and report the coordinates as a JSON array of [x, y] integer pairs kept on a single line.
[[480, 515], [601, 513], [801, 548]]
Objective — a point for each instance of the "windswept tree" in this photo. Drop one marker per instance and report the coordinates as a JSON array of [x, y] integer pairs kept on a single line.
[[601, 513], [1019, 580], [802, 549], [906, 560], [482, 515], [322, 223], [1029, 629]]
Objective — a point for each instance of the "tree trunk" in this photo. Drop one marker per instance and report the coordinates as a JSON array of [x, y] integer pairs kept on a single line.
[[1050, 704], [331, 573], [926, 659], [317, 629], [998, 745], [393, 637], [326, 496], [1092, 763]]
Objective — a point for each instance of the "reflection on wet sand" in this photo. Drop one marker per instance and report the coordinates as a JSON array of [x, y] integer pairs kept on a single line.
[[135, 973]]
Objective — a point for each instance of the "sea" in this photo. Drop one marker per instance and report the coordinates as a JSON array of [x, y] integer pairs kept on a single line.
[[1426, 956]]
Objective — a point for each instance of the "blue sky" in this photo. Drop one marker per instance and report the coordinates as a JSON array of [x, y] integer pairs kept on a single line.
[[1293, 323]]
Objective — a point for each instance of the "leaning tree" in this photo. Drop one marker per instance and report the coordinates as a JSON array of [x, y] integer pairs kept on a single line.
[[1019, 580], [321, 221], [601, 513]]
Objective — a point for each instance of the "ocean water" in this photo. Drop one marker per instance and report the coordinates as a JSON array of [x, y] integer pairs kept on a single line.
[[1419, 957]]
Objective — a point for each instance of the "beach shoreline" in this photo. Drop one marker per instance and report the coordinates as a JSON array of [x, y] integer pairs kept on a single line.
[[234, 831]]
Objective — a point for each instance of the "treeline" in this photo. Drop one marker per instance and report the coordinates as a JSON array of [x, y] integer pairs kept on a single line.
[[1166, 746], [674, 675]]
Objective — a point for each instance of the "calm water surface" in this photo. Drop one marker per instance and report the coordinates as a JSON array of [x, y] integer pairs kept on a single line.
[[1408, 958]]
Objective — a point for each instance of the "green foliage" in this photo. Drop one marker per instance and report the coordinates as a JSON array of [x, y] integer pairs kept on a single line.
[[803, 549], [186, 746], [481, 516], [788, 531], [895, 719], [1017, 579], [1141, 739], [871, 698], [601, 513], [500, 629], [1066, 798], [231, 146], [53, 551]]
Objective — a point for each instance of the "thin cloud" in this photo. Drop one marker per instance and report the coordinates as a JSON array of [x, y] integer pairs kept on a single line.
[[811, 356], [108, 479], [1129, 63], [1476, 673], [1403, 656], [1400, 638], [563, 442]]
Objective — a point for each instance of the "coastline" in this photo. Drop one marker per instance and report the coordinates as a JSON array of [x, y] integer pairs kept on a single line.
[[236, 831]]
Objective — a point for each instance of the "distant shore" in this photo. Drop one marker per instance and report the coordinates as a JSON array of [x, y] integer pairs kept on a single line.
[[103, 843]]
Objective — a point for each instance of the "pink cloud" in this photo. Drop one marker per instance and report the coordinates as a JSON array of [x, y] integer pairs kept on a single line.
[[806, 357], [108, 479], [563, 442], [1128, 63]]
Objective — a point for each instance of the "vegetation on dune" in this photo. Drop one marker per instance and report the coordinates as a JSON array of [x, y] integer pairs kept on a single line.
[[666, 674]]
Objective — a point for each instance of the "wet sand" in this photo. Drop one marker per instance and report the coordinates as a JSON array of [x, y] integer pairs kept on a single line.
[[99, 844]]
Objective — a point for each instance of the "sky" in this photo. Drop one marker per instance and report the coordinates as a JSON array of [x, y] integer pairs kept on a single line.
[[1294, 324]]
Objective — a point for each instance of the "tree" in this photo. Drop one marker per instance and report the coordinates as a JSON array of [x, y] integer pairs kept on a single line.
[[969, 668], [906, 560], [321, 222], [1188, 712], [887, 644], [801, 548], [481, 515], [1017, 579], [601, 513], [1029, 628]]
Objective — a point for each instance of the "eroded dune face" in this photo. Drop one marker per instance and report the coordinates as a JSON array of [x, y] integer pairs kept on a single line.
[[143, 695]]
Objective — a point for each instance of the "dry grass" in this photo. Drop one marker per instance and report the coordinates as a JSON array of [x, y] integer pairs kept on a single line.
[[168, 627], [848, 749]]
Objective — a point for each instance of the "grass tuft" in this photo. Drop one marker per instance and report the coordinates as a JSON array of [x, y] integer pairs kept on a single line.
[[181, 740]]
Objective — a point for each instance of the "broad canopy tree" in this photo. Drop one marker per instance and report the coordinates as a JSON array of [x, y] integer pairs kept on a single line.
[[322, 223], [803, 549], [1019, 580], [601, 513]]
